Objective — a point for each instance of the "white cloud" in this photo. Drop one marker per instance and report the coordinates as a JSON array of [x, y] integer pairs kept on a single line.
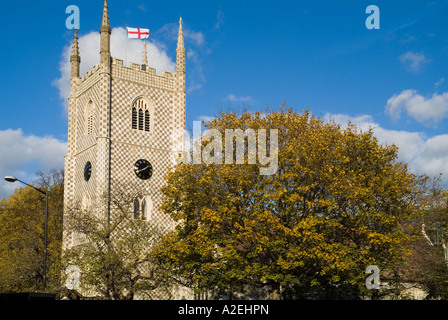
[[195, 43], [433, 157], [408, 38], [410, 144], [439, 83], [413, 61], [206, 118], [171, 31], [19, 151], [142, 7], [363, 122], [424, 155], [219, 20], [196, 74], [197, 38], [89, 46], [428, 111], [233, 98]]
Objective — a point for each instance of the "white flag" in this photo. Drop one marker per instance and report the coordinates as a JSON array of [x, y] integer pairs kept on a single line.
[[138, 33]]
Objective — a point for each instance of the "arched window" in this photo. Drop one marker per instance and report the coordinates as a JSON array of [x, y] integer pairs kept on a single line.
[[136, 208], [140, 120], [142, 115], [85, 203], [89, 118], [134, 119], [147, 121], [142, 208], [143, 211]]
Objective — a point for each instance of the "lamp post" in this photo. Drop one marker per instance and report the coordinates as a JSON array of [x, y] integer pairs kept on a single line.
[[14, 179]]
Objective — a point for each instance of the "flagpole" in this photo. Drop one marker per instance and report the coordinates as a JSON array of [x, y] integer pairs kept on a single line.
[[126, 54]]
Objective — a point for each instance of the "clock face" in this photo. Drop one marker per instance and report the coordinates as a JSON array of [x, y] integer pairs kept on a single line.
[[143, 169], [88, 171]]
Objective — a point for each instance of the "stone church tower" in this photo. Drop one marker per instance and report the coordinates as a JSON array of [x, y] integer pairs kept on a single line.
[[126, 128]]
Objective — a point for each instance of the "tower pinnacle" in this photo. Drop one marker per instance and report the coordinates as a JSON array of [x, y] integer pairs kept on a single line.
[[181, 49], [105, 38], [105, 23], [180, 41], [145, 57], [75, 58]]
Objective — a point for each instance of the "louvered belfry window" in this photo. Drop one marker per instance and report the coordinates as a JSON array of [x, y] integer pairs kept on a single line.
[[141, 116], [134, 119], [140, 119], [142, 208], [147, 121], [90, 109]]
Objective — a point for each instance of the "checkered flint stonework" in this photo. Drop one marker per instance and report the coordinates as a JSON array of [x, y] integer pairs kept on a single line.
[[112, 146]]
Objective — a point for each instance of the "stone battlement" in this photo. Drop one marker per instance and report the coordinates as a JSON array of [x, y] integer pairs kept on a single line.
[[89, 73], [148, 77], [133, 73]]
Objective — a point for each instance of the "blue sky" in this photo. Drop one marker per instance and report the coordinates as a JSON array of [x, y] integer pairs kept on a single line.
[[244, 54]]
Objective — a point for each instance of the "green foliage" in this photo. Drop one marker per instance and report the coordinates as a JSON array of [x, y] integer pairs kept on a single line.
[[339, 202], [22, 223], [114, 253], [428, 264]]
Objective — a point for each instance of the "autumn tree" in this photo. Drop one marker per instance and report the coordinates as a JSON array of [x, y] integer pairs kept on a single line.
[[114, 251], [338, 203], [428, 264], [22, 222]]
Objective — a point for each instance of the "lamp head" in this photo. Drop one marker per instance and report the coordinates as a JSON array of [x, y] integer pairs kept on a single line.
[[11, 179]]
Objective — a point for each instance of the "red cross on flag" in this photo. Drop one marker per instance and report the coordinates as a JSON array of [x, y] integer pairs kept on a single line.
[[138, 33]]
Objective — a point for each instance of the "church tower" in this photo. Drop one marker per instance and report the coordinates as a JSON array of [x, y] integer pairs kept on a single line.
[[126, 128]]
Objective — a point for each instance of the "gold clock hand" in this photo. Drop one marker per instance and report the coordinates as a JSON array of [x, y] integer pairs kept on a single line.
[[141, 170]]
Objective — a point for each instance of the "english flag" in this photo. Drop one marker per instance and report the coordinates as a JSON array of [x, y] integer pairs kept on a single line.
[[138, 33]]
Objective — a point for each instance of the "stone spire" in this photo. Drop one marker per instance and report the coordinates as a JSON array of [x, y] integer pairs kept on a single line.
[[75, 58], [105, 23], [105, 38], [180, 42], [145, 57], [181, 49]]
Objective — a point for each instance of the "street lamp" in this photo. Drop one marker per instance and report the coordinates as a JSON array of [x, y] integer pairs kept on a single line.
[[14, 179]]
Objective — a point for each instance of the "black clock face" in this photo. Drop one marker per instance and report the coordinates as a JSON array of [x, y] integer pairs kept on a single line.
[[143, 169], [88, 171]]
